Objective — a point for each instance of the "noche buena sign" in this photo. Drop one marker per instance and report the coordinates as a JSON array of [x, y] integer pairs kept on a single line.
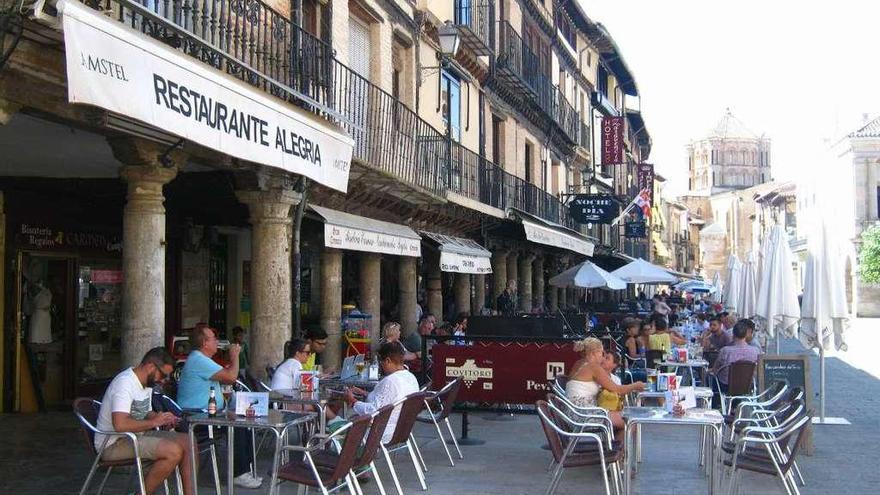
[[114, 67], [594, 208]]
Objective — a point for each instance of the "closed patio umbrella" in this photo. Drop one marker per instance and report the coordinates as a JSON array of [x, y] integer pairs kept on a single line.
[[824, 313], [731, 283], [747, 299], [640, 271], [696, 287], [718, 295], [589, 276], [778, 309]]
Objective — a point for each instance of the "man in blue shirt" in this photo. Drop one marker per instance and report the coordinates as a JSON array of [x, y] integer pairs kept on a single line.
[[199, 374]]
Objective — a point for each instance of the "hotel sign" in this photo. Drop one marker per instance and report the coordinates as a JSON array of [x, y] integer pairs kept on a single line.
[[612, 140], [114, 67]]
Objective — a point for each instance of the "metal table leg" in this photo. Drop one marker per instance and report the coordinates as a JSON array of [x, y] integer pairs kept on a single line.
[[193, 451], [628, 448], [230, 446]]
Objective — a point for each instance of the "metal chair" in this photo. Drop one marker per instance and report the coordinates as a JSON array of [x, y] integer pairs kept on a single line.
[[86, 411], [335, 469], [410, 407], [740, 383], [444, 401], [563, 443]]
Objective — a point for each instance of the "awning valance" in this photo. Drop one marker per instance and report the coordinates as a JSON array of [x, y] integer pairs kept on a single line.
[[552, 234], [461, 255], [353, 232]]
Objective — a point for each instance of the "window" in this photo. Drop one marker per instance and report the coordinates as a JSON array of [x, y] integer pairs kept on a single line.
[[497, 141], [528, 157], [602, 81], [359, 47], [565, 27], [450, 95]]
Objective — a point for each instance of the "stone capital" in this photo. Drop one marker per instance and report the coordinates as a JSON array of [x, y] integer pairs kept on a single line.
[[269, 206], [145, 185]]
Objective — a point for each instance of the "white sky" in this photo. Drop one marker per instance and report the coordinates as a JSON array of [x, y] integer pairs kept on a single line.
[[799, 71]]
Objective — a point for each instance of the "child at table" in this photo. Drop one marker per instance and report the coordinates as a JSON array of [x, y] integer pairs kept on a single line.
[[608, 399]]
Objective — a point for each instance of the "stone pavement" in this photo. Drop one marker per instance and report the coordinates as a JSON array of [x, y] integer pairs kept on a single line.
[[43, 454]]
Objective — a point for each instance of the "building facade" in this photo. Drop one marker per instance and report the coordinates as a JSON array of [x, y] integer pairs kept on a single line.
[[459, 166]]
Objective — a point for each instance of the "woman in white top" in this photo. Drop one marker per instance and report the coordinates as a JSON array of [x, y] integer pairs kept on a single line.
[[391, 333], [286, 377], [588, 377]]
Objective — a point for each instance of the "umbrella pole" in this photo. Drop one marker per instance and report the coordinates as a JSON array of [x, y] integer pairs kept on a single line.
[[821, 382]]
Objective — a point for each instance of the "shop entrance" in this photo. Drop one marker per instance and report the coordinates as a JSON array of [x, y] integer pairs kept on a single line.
[[69, 327]]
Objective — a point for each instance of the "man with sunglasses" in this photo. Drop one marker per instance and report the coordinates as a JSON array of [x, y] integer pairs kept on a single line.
[[317, 340], [127, 407]]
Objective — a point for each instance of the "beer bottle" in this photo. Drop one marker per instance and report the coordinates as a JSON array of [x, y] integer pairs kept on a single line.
[[212, 404]]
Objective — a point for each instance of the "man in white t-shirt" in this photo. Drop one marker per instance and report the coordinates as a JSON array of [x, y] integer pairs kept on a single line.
[[127, 407], [287, 374], [397, 384]]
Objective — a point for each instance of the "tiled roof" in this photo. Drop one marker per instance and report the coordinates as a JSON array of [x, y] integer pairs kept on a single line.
[[731, 127], [871, 129]]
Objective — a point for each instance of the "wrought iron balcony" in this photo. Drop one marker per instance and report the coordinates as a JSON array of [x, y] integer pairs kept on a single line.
[[473, 18], [252, 42]]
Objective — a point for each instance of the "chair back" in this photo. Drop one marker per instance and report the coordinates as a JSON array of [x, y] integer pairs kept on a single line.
[[374, 437], [270, 372], [796, 393], [446, 397], [163, 403], [794, 437], [740, 378], [561, 381], [87, 410], [710, 357], [354, 437], [652, 358], [557, 446], [244, 387], [410, 408]]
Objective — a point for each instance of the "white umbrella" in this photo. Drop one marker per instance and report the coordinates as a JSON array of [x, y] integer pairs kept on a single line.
[[719, 288], [824, 311], [731, 284], [642, 272], [589, 276], [696, 286], [778, 308], [747, 299]]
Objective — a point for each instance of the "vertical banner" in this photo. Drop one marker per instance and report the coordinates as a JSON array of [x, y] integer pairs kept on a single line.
[[646, 179], [612, 140]]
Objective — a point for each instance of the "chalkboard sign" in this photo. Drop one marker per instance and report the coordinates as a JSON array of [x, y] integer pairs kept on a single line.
[[793, 369]]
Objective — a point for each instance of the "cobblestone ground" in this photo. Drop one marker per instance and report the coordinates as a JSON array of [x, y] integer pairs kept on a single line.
[[44, 454]]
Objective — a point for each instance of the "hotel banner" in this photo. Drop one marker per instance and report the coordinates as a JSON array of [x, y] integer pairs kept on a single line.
[[612, 140]]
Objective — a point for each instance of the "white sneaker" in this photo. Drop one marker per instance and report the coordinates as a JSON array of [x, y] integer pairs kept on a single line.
[[247, 480]]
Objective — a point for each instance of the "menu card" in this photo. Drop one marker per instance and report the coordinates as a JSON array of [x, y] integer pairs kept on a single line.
[[260, 401]]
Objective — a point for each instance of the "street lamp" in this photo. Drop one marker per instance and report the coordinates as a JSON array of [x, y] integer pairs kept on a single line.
[[449, 40], [449, 43]]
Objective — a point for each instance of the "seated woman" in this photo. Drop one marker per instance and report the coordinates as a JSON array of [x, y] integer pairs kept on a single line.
[[286, 377], [391, 333], [662, 339], [634, 349], [589, 377]]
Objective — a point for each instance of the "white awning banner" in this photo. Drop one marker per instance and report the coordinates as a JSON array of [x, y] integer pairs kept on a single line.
[[114, 67], [356, 233], [464, 263], [549, 237]]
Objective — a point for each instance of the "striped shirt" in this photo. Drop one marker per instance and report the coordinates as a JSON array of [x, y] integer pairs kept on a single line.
[[738, 351]]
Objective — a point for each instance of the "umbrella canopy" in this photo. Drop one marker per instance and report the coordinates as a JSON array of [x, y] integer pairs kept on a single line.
[[696, 286], [778, 307], [824, 311], [731, 283], [719, 288], [748, 298], [642, 272], [589, 276]]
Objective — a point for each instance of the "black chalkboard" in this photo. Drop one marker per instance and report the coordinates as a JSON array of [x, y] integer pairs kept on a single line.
[[792, 369]]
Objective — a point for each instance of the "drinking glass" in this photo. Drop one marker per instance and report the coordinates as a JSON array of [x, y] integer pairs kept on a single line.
[[227, 394]]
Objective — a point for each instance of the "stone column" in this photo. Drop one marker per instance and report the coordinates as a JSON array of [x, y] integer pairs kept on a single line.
[[525, 283], [513, 268], [539, 296], [271, 313], [462, 292], [331, 306], [499, 275], [370, 280], [563, 298], [143, 245], [871, 190], [479, 301], [434, 286], [554, 300], [406, 277]]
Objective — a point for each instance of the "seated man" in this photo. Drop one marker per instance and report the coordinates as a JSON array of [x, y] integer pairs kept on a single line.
[[739, 350], [716, 338], [126, 407], [286, 377], [199, 375], [317, 340], [396, 384]]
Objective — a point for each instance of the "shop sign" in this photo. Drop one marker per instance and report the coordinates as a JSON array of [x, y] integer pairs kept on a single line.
[[48, 238], [106, 276], [111, 66], [645, 175], [502, 372], [339, 237], [464, 263], [594, 208], [612, 140], [549, 237], [635, 230]]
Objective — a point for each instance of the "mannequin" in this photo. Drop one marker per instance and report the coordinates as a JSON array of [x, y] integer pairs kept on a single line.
[[41, 320]]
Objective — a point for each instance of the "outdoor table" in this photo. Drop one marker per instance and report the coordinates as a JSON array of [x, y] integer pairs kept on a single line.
[[316, 399], [704, 418], [690, 364], [277, 422], [701, 393]]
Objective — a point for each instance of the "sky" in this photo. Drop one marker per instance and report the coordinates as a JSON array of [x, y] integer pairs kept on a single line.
[[801, 72]]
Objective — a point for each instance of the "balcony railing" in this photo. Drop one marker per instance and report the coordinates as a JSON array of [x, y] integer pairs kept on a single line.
[[252, 42], [521, 68], [473, 19]]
